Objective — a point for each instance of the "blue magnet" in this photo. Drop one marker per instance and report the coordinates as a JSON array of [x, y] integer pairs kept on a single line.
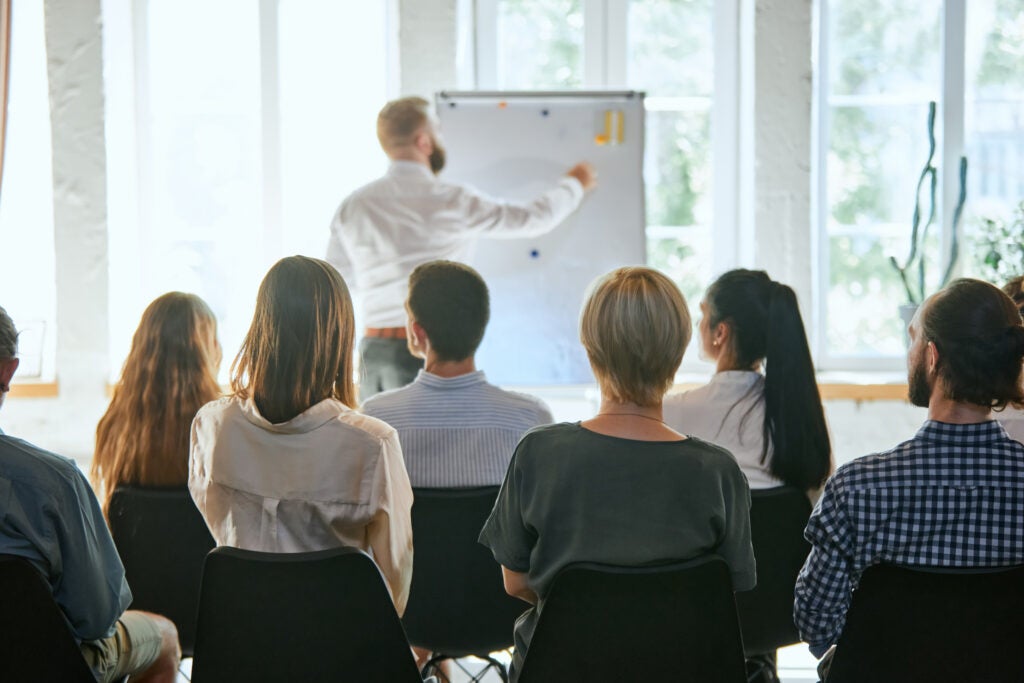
[[544, 112], [534, 253]]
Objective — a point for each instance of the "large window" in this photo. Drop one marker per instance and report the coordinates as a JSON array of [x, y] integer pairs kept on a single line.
[[673, 51], [880, 64], [234, 152], [28, 286]]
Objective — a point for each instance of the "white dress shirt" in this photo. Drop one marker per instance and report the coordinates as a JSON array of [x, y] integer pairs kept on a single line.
[[326, 478], [729, 412], [383, 230]]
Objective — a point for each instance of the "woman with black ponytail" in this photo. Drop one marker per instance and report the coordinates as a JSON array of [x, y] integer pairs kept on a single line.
[[763, 403]]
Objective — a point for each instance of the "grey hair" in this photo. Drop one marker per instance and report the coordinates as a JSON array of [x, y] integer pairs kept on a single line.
[[8, 336]]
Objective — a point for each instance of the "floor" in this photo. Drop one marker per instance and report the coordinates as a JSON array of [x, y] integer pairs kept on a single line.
[[796, 665]]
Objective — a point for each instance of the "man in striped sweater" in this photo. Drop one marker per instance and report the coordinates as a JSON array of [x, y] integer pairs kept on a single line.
[[456, 429]]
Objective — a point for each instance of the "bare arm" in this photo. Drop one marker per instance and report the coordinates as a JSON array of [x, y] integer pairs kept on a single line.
[[516, 586]]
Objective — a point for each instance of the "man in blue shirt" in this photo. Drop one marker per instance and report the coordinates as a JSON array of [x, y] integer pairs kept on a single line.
[[50, 516], [952, 496], [457, 430]]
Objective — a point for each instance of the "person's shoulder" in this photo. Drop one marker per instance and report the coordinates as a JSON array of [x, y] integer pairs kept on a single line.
[[29, 464], [218, 410], [385, 403], [688, 396], [712, 456], [706, 450], [533, 409], [364, 427], [874, 469]]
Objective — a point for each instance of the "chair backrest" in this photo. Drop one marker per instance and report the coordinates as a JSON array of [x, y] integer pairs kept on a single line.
[[457, 601], [35, 641], [671, 623], [320, 616], [162, 540], [778, 517], [908, 624]]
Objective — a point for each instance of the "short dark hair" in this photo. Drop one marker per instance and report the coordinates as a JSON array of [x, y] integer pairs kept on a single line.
[[8, 337], [978, 332], [450, 301]]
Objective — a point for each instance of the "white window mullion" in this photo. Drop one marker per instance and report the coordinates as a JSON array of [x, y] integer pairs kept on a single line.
[[616, 47], [270, 126], [820, 114], [953, 106], [486, 20], [143, 121], [725, 135], [595, 41]]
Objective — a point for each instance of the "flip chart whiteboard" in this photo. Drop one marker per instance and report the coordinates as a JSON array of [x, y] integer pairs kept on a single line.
[[515, 145]]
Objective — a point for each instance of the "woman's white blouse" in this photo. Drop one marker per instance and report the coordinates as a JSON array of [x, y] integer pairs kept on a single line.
[[326, 478], [729, 412]]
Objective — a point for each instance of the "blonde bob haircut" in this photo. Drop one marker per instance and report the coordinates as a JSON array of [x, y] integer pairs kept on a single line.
[[400, 120], [298, 350], [635, 326]]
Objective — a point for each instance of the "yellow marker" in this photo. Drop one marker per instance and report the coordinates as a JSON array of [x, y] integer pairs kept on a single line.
[[614, 128]]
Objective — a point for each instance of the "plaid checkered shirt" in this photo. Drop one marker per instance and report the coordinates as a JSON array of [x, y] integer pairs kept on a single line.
[[953, 496]]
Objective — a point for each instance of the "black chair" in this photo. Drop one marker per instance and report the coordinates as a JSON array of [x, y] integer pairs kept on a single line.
[[908, 624], [457, 602], [35, 641], [669, 623], [311, 617], [162, 540], [778, 517]]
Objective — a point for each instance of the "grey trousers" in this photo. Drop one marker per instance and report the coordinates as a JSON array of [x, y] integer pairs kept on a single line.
[[386, 364]]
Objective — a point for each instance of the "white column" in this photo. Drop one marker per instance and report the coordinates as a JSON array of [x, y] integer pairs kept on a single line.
[[775, 140], [74, 48]]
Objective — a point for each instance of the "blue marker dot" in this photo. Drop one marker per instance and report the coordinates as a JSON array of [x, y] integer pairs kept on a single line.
[[544, 112], [534, 253]]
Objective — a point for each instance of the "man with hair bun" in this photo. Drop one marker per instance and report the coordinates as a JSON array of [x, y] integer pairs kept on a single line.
[[952, 496], [386, 228]]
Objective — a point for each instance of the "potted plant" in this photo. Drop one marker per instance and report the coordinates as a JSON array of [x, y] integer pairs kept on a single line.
[[999, 247], [913, 270]]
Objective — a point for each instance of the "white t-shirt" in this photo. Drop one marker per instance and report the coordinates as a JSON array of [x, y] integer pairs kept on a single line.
[[728, 411], [383, 230], [326, 478]]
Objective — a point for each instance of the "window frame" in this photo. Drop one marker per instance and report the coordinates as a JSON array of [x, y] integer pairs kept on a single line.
[[605, 56], [951, 146]]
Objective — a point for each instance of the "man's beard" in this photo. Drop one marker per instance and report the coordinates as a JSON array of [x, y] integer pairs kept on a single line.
[[920, 389], [437, 158]]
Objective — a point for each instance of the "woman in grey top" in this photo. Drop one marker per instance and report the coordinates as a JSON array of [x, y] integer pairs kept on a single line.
[[621, 488]]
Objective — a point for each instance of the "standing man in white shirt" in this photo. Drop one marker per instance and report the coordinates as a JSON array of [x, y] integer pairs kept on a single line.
[[383, 230]]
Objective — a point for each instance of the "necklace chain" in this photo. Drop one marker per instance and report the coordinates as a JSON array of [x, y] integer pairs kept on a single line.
[[646, 417]]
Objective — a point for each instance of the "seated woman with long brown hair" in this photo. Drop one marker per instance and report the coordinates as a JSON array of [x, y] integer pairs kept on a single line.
[[285, 464], [621, 487], [170, 373]]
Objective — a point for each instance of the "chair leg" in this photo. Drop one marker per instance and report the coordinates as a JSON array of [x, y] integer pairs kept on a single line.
[[762, 669], [431, 668]]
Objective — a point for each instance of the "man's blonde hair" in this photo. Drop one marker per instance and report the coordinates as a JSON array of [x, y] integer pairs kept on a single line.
[[400, 120], [635, 326]]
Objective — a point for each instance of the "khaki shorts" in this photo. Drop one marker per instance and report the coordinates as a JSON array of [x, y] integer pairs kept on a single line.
[[133, 648]]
